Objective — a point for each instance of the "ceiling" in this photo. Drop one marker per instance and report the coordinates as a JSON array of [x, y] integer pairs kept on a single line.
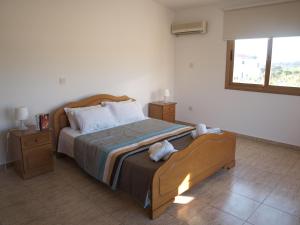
[[225, 4]]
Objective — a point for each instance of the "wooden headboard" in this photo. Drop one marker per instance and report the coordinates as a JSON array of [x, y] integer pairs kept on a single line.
[[60, 119]]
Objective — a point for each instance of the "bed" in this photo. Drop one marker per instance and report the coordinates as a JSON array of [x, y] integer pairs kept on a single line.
[[159, 183]]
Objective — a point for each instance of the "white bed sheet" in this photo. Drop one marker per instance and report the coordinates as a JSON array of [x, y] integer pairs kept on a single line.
[[66, 141]]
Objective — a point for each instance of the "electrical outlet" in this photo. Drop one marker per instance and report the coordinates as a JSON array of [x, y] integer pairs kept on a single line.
[[62, 80]]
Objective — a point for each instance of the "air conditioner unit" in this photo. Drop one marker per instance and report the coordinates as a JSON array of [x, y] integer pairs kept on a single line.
[[189, 28]]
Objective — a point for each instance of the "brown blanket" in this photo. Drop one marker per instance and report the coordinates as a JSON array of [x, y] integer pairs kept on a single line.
[[138, 171]]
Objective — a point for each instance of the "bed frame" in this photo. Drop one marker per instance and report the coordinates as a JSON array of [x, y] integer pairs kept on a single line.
[[202, 158]]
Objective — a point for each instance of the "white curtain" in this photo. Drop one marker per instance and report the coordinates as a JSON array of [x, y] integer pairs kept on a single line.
[[278, 20]]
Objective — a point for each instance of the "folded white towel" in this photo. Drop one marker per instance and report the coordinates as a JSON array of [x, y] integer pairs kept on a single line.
[[214, 130], [155, 147], [194, 134], [202, 129], [168, 155], [161, 150]]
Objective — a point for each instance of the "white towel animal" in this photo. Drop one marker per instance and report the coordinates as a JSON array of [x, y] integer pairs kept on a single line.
[[202, 129], [214, 130], [161, 150]]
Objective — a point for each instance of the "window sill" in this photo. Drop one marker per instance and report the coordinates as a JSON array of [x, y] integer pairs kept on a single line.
[[264, 89]]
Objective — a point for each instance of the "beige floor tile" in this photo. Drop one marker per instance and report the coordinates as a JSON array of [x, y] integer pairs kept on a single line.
[[183, 212], [50, 191], [294, 170], [77, 210], [88, 217], [267, 215], [75, 220], [116, 203], [207, 196], [14, 194], [71, 203], [236, 205], [253, 190], [287, 200], [21, 213], [289, 182], [93, 189], [268, 157], [218, 183], [137, 216], [105, 220], [253, 174], [212, 216], [10, 178], [45, 221], [240, 169]]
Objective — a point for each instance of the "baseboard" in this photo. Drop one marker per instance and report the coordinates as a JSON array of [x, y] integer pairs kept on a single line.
[[295, 147], [4, 166]]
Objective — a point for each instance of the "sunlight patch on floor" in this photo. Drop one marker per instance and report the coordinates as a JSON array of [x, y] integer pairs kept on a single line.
[[182, 200]]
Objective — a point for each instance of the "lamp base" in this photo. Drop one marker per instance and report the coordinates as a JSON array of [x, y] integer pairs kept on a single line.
[[165, 99], [22, 125]]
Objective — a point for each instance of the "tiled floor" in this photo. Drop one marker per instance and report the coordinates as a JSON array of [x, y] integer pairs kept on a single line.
[[263, 189]]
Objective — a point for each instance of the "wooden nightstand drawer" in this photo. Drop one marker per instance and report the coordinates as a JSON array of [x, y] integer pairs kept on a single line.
[[155, 112], [163, 111], [33, 140], [169, 109], [38, 160]]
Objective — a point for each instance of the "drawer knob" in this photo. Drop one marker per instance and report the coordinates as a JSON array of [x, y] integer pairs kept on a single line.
[[36, 140]]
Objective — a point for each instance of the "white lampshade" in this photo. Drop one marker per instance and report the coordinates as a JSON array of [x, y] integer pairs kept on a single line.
[[167, 93], [21, 113]]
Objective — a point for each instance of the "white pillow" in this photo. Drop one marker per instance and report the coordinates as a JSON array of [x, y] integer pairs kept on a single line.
[[126, 112], [71, 111], [108, 102], [95, 119]]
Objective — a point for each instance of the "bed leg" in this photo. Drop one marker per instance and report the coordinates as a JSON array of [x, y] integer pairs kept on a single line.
[[229, 165], [59, 155]]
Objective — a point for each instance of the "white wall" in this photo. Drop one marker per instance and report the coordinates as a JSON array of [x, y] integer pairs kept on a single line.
[[199, 83], [99, 46]]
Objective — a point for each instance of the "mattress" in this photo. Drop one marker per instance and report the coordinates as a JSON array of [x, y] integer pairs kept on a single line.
[[66, 141]]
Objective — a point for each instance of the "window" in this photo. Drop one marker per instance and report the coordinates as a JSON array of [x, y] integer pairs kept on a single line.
[[265, 65]]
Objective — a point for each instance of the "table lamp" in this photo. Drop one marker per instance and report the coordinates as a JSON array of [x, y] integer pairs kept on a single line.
[[21, 114], [166, 95]]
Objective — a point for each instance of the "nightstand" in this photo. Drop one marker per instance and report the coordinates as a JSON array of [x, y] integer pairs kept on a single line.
[[33, 152], [163, 111]]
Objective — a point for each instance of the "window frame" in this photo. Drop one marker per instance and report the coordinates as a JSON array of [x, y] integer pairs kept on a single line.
[[266, 87]]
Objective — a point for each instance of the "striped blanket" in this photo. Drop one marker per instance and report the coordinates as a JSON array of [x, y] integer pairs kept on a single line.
[[99, 153]]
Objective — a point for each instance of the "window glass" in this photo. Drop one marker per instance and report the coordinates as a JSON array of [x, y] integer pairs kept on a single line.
[[285, 67], [250, 61]]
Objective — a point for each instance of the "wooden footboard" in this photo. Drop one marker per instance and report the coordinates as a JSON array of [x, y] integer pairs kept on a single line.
[[206, 155]]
